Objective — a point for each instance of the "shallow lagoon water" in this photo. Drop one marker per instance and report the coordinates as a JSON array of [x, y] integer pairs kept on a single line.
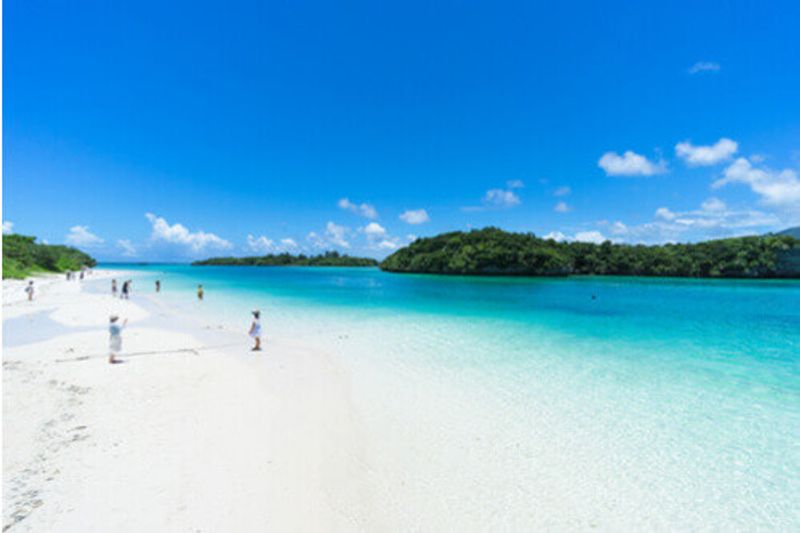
[[510, 403]]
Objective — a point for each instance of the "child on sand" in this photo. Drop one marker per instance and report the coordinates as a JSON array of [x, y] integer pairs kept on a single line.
[[200, 292], [255, 330], [29, 290], [115, 338]]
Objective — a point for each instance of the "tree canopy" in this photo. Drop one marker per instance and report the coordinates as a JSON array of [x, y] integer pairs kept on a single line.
[[22, 256], [285, 259], [491, 251]]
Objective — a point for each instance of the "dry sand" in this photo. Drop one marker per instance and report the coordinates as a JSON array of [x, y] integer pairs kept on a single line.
[[193, 432]]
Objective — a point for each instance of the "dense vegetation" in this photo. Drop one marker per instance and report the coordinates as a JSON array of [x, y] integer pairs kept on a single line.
[[326, 259], [491, 251], [23, 256]]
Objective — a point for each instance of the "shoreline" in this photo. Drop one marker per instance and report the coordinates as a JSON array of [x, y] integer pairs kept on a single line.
[[192, 432]]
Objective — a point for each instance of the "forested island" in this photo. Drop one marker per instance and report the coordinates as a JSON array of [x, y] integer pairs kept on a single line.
[[494, 252], [23, 256], [326, 259]]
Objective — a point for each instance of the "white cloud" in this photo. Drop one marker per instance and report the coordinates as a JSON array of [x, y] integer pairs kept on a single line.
[[374, 230], [562, 191], [704, 66], [365, 210], [713, 204], [179, 234], [289, 243], [128, 249], [336, 234], [590, 236], [780, 189], [8, 227], [500, 198], [706, 155], [259, 244], [556, 236], [562, 207], [630, 164], [411, 237], [618, 228], [387, 244], [81, 236], [515, 184], [418, 216], [665, 213]]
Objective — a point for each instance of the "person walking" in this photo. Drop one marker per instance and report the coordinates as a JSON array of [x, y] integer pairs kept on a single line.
[[200, 292], [158, 285], [255, 330], [29, 289], [126, 289], [115, 338], [114, 288]]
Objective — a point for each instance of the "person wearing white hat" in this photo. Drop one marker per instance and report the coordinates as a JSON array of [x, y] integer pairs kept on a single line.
[[255, 330], [115, 338]]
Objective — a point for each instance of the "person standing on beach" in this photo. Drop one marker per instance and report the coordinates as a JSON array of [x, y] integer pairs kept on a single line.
[[200, 292], [126, 287], [255, 330], [158, 285], [29, 290], [115, 338], [114, 288]]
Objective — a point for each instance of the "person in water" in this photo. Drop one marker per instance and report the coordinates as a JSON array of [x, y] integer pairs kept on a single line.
[[255, 330], [158, 285], [115, 338], [114, 288], [200, 292], [29, 289]]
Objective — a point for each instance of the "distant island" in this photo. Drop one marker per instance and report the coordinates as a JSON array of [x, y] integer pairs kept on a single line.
[[494, 252], [23, 256], [326, 259]]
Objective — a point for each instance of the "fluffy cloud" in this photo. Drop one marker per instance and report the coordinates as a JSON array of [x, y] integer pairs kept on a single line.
[[713, 220], [8, 227], [81, 236], [365, 210], [665, 213], [562, 207], [562, 191], [630, 164], [500, 198], [179, 234], [336, 235], [418, 216], [289, 244], [374, 230], [779, 189], [713, 204], [260, 244], [556, 236], [706, 155], [704, 66], [590, 236], [128, 249], [515, 184]]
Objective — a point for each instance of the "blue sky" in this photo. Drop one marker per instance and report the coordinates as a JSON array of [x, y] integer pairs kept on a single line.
[[168, 130]]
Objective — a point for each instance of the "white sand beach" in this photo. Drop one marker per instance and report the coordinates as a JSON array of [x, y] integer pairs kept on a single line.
[[192, 433]]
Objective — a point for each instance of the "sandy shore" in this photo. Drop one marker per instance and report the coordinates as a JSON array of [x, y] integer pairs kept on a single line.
[[192, 433]]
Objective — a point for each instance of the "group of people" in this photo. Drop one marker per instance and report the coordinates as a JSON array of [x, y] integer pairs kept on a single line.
[[115, 328], [126, 289]]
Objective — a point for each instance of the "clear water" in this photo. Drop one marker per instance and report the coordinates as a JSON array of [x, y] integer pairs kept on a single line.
[[562, 403]]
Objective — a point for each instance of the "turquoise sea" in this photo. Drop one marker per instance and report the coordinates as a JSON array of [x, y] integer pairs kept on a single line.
[[615, 403]]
